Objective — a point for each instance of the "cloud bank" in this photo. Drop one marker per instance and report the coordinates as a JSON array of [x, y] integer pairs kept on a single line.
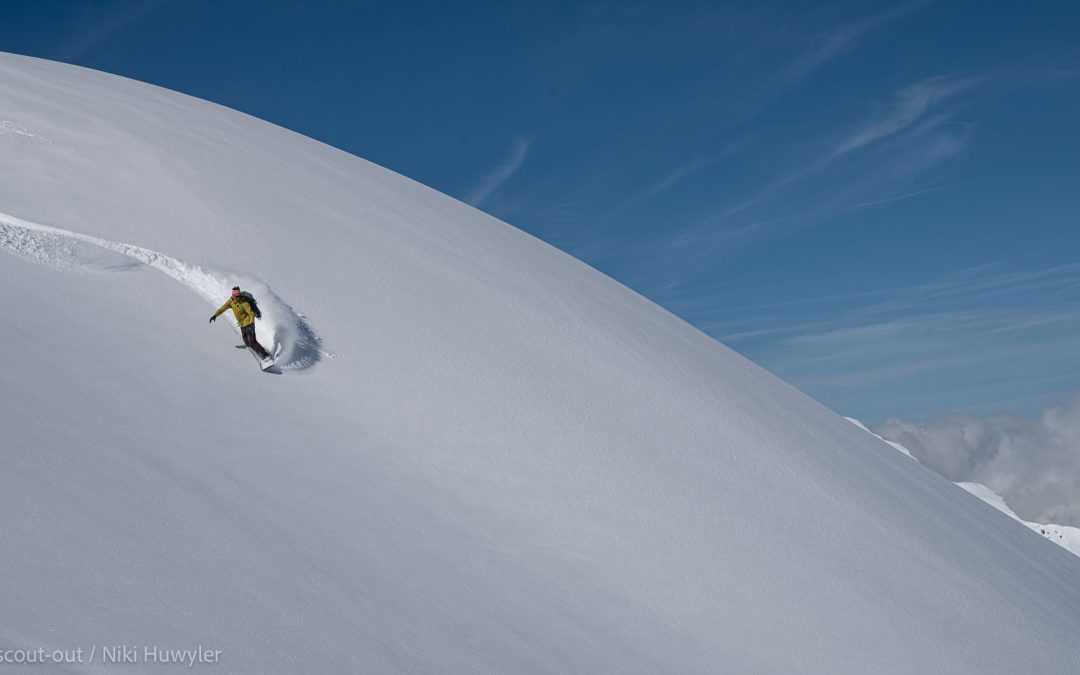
[[1034, 464]]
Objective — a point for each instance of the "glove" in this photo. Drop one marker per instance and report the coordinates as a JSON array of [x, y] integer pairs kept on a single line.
[[212, 319]]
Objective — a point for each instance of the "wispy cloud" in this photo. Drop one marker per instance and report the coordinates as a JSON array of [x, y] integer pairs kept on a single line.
[[939, 302], [918, 113], [1060, 74], [507, 168], [972, 338], [712, 232], [911, 105], [112, 20], [667, 180], [916, 193], [833, 45]]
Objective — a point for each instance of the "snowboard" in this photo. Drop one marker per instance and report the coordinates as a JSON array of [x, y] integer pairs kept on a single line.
[[264, 364]]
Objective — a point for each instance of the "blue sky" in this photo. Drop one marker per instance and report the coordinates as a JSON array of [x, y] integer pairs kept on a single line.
[[877, 201]]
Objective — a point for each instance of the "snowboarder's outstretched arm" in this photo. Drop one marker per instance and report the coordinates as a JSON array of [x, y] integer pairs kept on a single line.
[[221, 309]]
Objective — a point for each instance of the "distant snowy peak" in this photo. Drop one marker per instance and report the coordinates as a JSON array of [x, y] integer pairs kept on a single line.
[[1063, 535]]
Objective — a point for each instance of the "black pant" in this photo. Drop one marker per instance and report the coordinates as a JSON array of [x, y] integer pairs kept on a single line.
[[249, 339]]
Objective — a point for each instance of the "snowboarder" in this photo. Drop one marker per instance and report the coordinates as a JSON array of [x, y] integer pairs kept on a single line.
[[246, 311]]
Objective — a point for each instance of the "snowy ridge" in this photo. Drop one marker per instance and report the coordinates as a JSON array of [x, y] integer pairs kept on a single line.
[[1064, 536], [288, 334], [516, 465], [895, 446]]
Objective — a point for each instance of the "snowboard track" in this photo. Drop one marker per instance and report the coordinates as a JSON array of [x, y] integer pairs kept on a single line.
[[288, 333]]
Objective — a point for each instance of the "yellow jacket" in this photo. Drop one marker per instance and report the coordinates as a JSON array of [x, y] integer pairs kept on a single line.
[[241, 309]]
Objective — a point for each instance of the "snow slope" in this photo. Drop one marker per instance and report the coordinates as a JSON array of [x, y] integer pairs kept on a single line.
[[513, 463]]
